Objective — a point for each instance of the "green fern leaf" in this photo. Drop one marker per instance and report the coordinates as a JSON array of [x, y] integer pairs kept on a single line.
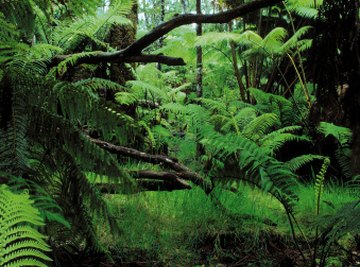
[[298, 162], [20, 243], [261, 125]]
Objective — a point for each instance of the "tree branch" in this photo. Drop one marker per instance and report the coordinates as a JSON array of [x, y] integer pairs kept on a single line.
[[119, 56], [221, 17], [167, 177], [133, 52], [182, 172], [142, 186], [148, 180]]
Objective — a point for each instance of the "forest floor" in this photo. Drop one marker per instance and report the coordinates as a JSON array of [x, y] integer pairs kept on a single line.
[[185, 228]]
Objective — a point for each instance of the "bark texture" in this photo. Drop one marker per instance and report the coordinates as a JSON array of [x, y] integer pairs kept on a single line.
[[120, 37]]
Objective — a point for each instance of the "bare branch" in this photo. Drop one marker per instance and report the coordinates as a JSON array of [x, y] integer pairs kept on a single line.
[[181, 171], [221, 17], [133, 52], [119, 56], [147, 180]]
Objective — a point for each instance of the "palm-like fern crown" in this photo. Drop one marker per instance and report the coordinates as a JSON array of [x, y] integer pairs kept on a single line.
[[305, 8], [44, 121], [273, 44]]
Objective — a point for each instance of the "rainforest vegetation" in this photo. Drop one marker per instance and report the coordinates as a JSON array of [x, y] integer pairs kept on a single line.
[[180, 133]]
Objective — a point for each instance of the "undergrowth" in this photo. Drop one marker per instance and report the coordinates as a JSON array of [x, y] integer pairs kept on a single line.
[[185, 228]]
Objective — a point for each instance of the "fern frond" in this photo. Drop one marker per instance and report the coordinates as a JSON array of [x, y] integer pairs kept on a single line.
[[298, 162], [342, 134], [154, 91], [19, 241], [214, 106], [210, 38], [271, 103], [250, 39], [304, 8], [354, 183], [95, 84], [304, 45], [319, 184], [261, 125], [245, 116], [274, 40], [255, 166], [8, 33], [20, 14], [47, 206], [91, 29], [346, 220], [273, 142], [293, 41], [126, 98], [343, 157], [13, 140]]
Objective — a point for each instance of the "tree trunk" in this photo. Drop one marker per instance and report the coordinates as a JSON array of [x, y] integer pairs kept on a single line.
[[121, 36], [236, 69], [199, 58], [337, 69], [162, 18]]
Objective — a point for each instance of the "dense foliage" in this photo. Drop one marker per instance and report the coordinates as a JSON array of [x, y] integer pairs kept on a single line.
[[153, 149]]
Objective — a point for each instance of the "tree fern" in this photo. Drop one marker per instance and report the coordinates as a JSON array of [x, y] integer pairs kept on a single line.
[[21, 244], [293, 41], [256, 167], [14, 122], [273, 40], [243, 159], [45, 122], [305, 8], [38, 122], [251, 149]]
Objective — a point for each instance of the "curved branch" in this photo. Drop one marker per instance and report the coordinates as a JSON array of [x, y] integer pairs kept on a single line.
[[221, 17], [133, 52]]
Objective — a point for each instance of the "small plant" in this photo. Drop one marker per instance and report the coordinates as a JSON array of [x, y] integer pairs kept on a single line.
[[319, 187]]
